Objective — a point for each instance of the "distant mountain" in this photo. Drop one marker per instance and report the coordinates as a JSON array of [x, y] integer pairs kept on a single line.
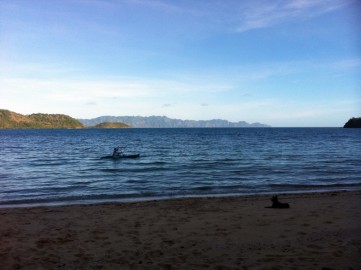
[[353, 123], [13, 120], [165, 122]]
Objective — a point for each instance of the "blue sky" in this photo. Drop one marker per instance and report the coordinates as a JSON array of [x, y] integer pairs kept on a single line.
[[283, 63]]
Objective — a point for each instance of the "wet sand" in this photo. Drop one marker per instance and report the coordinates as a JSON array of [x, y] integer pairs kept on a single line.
[[319, 231]]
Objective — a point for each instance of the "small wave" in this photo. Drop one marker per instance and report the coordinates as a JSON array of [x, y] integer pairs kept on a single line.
[[153, 163], [77, 199], [48, 164], [136, 170], [316, 185], [203, 188], [136, 181]]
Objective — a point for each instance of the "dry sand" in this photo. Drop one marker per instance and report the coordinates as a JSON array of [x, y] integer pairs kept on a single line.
[[319, 231]]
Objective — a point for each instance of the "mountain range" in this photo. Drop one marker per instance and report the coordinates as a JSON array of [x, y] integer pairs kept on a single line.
[[13, 120], [166, 122]]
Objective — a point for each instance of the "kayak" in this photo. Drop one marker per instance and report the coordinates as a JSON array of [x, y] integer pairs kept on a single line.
[[122, 156]]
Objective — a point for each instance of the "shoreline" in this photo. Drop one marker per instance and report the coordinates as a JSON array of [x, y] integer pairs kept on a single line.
[[318, 231], [58, 203]]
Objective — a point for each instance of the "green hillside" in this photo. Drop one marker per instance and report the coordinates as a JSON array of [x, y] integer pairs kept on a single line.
[[111, 125], [13, 120]]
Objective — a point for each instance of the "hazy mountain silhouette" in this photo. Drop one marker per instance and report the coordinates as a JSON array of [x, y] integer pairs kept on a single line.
[[165, 122]]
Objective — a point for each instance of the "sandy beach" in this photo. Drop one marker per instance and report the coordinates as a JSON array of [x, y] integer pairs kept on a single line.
[[318, 231]]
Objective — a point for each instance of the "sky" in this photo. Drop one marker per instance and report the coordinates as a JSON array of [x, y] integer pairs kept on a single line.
[[294, 63]]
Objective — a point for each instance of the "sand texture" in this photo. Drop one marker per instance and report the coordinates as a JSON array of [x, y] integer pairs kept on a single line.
[[319, 231]]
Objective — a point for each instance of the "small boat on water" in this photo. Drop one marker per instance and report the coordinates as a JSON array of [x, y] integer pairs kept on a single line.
[[118, 154], [121, 156]]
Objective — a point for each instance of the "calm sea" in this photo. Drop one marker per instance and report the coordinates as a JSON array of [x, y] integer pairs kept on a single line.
[[65, 166]]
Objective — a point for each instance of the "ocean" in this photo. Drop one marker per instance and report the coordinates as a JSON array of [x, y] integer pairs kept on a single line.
[[65, 166]]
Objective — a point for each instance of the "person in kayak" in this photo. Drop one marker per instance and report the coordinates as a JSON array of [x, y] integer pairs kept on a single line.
[[117, 152]]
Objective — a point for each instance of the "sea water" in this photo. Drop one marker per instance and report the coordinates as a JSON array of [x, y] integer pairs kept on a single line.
[[61, 166]]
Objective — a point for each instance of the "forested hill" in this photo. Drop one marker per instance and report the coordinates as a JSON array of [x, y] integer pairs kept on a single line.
[[111, 125], [354, 122], [165, 122], [13, 120]]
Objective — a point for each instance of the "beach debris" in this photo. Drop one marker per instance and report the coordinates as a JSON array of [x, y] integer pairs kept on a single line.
[[277, 204]]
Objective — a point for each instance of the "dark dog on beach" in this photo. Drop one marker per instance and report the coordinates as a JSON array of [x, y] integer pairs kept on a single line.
[[277, 204]]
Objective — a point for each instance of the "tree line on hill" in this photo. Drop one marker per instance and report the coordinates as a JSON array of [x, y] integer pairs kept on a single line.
[[13, 120]]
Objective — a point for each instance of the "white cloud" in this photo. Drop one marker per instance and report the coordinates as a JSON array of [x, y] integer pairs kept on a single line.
[[262, 14], [26, 94], [235, 15]]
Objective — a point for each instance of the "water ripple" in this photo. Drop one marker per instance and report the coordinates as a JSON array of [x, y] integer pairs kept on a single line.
[[65, 166]]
